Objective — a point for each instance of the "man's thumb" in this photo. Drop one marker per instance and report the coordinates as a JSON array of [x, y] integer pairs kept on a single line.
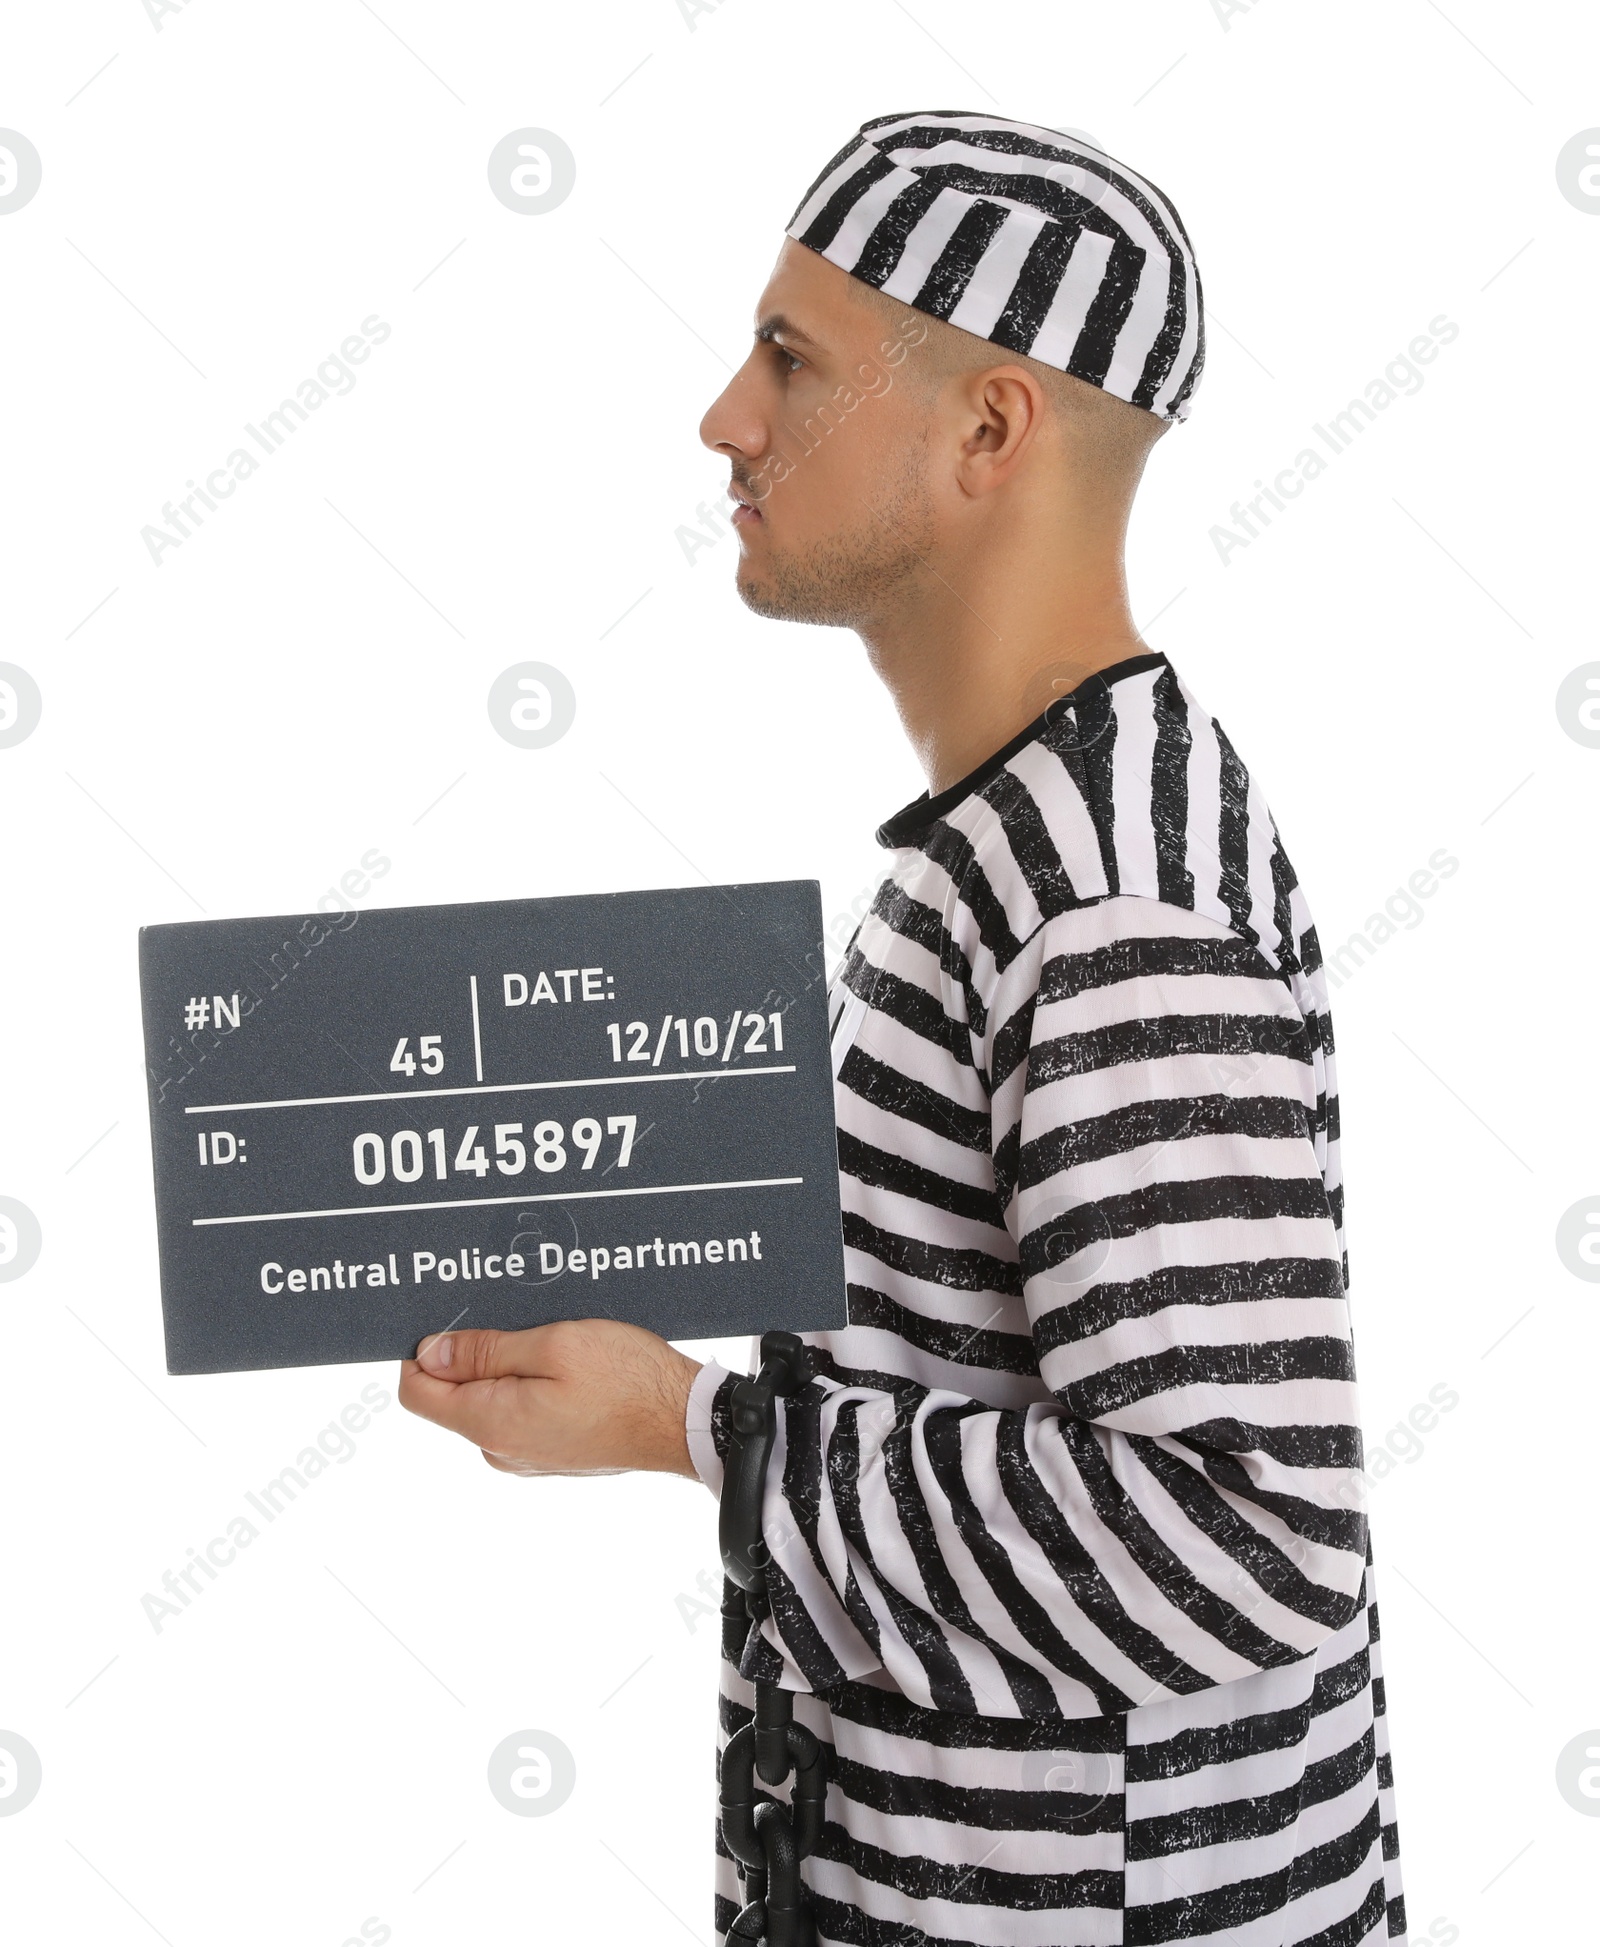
[[466, 1355]]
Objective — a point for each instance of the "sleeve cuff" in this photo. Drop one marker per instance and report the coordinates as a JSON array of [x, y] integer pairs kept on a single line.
[[706, 1422]]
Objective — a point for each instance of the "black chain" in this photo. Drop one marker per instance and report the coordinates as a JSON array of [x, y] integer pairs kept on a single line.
[[768, 1840]]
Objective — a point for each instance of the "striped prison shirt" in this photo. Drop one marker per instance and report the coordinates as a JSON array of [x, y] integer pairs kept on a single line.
[[1069, 1557]]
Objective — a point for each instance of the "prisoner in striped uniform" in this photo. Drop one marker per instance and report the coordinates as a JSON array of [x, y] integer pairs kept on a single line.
[[1069, 1549], [1070, 1571]]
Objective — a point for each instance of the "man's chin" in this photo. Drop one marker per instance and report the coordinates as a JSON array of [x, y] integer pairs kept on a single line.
[[778, 600], [760, 599]]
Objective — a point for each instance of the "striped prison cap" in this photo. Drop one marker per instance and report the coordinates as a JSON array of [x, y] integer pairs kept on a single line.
[[1030, 237]]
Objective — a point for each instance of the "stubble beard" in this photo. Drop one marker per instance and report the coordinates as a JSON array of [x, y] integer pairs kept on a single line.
[[858, 572]]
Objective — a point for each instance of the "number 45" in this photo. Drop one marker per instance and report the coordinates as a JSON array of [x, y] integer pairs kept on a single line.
[[429, 1047]]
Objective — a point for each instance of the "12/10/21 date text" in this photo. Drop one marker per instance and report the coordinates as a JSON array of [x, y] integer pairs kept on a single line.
[[706, 1034]]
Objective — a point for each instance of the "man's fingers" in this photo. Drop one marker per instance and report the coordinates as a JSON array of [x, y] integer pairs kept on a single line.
[[488, 1412], [462, 1356], [431, 1399], [576, 1396]]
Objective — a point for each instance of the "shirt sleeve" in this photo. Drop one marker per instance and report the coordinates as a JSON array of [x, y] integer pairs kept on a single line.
[[1184, 1504]]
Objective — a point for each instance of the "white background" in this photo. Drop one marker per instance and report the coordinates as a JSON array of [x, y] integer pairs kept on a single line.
[[304, 1748]]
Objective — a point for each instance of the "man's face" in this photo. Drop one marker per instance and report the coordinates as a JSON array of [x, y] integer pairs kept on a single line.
[[827, 444]]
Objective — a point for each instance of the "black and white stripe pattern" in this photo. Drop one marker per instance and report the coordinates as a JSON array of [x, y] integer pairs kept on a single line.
[[1069, 1552], [1027, 236]]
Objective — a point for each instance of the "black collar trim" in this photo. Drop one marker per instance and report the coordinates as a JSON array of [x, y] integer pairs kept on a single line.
[[905, 826]]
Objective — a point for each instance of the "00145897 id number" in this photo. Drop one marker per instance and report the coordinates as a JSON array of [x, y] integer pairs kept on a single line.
[[406, 1156]]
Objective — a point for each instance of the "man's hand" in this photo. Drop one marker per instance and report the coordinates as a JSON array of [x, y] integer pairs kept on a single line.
[[584, 1396]]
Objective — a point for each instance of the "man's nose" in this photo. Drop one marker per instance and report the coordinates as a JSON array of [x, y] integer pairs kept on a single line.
[[731, 423]]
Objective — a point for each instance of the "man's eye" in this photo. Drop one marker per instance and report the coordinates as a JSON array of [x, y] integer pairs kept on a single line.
[[791, 364]]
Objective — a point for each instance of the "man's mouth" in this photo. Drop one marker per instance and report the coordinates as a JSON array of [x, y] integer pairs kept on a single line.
[[745, 511]]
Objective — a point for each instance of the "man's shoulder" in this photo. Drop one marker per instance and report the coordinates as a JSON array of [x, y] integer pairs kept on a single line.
[[1133, 792]]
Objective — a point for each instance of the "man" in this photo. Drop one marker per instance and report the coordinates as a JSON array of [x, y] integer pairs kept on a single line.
[[1070, 1569]]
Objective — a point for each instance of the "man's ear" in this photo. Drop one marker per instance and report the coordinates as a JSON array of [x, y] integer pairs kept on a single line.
[[1003, 410]]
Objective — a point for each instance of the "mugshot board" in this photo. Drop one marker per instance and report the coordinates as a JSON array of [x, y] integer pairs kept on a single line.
[[370, 1126]]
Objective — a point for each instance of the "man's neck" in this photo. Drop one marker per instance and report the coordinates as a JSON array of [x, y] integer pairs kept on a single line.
[[982, 647]]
